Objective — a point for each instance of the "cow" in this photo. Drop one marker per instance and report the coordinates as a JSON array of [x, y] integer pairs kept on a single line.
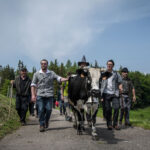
[[84, 94], [78, 95], [92, 103]]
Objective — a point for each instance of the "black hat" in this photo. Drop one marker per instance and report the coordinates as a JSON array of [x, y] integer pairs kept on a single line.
[[125, 70], [83, 61], [23, 69]]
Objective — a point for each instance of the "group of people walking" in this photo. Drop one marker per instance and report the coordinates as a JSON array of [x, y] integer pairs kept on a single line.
[[116, 91]]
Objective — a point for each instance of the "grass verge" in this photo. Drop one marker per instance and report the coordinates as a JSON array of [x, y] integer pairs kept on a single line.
[[7, 124], [138, 117]]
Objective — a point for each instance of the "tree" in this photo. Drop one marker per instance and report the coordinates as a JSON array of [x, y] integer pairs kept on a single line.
[[68, 65], [5, 87], [96, 64]]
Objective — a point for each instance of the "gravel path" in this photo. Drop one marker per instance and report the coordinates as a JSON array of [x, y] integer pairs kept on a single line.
[[62, 136]]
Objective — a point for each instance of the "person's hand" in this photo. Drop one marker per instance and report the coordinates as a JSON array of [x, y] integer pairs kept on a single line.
[[12, 81], [120, 90], [33, 98], [62, 98], [134, 98]]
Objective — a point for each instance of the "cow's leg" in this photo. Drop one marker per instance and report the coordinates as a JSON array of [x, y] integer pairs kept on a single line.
[[88, 114], [75, 117], [79, 123], [80, 114], [94, 113]]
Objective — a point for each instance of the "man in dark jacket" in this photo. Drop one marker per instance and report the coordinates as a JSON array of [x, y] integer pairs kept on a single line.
[[22, 85], [125, 98]]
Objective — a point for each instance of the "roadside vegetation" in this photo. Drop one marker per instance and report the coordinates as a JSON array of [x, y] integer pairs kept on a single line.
[[8, 123], [138, 117]]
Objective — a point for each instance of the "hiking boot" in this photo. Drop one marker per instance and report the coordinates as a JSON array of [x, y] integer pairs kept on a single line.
[[128, 124], [116, 127], [109, 127], [75, 126], [46, 125], [42, 129], [23, 123]]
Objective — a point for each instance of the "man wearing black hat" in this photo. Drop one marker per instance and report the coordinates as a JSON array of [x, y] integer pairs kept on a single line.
[[125, 100], [23, 94]]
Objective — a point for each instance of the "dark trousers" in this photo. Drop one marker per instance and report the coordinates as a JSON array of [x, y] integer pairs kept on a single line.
[[111, 101], [31, 108], [125, 108], [125, 112], [62, 107], [104, 111], [22, 103]]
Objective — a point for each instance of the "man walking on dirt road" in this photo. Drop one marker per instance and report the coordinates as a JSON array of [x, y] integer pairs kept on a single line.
[[22, 85], [111, 84], [43, 92]]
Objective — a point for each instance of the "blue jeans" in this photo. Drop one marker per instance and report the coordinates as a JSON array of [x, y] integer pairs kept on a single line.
[[45, 105]]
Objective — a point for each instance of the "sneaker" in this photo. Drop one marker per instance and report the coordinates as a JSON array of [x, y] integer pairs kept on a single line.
[[42, 129]]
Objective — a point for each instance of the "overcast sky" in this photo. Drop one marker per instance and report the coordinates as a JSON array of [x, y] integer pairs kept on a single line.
[[67, 29]]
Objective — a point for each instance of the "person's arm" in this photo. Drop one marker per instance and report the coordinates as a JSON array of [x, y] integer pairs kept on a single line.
[[58, 78], [63, 79], [134, 96], [62, 93], [33, 88], [120, 88], [33, 93], [120, 82], [12, 82]]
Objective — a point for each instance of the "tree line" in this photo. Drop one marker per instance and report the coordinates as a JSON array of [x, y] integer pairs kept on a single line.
[[141, 81]]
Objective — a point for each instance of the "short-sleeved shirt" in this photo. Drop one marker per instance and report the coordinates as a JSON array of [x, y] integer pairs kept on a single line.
[[44, 83]]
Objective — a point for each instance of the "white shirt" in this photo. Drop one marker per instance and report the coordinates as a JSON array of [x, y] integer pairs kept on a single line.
[[109, 89]]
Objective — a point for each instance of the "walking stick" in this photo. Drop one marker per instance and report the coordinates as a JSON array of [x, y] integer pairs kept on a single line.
[[10, 100]]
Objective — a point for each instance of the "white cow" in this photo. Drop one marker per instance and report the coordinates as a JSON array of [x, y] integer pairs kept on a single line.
[[93, 100]]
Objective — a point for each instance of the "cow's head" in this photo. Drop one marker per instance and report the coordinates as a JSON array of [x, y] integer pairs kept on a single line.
[[94, 76]]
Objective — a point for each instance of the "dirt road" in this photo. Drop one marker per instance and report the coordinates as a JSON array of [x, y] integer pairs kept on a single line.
[[62, 136]]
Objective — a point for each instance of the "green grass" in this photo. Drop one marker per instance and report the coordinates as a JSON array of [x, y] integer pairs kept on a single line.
[[7, 124], [138, 117]]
